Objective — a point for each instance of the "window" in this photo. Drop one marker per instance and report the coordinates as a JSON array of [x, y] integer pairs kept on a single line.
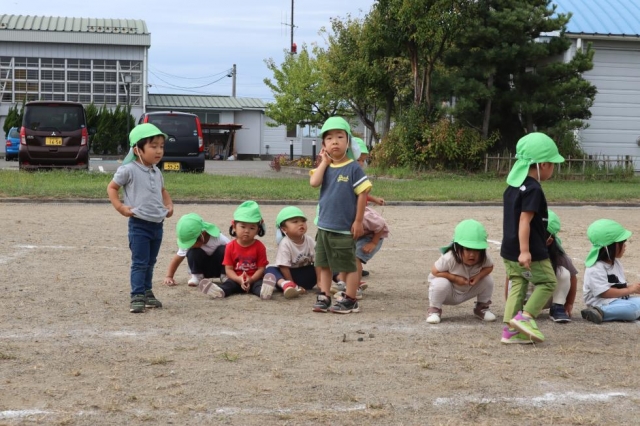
[[21, 74], [110, 88], [46, 63], [98, 88], [85, 99], [58, 87], [72, 87], [32, 74], [85, 75], [58, 75], [98, 99], [20, 62], [73, 63], [110, 76], [71, 75], [5, 61], [110, 65], [85, 64], [46, 75], [58, 63], [292, 133], [72, 98], [98, 64], [46, 87], [98, 76], [85, 87], [33, 62], [310, 131], [110, 99]]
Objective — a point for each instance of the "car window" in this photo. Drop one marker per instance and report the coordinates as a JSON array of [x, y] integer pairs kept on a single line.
[[14, 133], [175, 125], [60, 118]]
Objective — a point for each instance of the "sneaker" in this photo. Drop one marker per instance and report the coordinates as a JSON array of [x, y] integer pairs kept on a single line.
[[527, 326], [291, 290], [338, 287], [322, 303], [195, 280], [359, 293], [223, 278], [268, 285], [210, 289], [137, 304], [365, 273], [363, 285], [558, 314], [433, 315], [481, 311], [514, 337], [345, 306], [151, 301], [592, 314]]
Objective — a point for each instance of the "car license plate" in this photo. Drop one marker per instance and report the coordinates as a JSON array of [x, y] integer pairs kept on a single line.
[[53, 141], [171, 166]]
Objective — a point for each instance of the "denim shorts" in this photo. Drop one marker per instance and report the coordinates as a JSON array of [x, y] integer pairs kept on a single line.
[[365, 257]]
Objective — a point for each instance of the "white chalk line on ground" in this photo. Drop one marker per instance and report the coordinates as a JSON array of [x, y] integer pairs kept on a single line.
[[548, 399]]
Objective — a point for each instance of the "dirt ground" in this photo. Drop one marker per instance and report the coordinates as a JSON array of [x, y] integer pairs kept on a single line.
[[71, 353]]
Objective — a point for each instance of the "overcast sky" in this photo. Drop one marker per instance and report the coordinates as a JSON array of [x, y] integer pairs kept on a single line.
[[191, 39]]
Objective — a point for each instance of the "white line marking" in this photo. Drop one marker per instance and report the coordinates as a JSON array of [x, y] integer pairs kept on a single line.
[[536, 401], [16, 414]]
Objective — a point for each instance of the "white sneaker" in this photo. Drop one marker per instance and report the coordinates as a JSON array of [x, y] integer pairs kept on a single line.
[[433, 318], [488, 316], [195, 280], [223, 278], [359, 294], [268, 285], [210, 289], [338, 287]]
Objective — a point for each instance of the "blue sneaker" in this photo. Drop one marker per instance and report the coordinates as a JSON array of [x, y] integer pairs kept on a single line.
[[558, 314]]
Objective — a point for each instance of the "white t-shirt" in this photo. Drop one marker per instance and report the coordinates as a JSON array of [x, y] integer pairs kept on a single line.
[[447, 263], [210, 246], [598, 279], [295, 255]]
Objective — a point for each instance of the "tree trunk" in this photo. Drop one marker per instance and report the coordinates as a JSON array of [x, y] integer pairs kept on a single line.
[[487, 110]]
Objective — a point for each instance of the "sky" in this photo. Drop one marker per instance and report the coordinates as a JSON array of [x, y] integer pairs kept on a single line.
[[194, 43]]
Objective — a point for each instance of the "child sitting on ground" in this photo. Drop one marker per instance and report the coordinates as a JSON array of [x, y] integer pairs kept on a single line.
[[294, 272], [245, 258], [606, 292], [462, 272], [203, 245], [560, 304]]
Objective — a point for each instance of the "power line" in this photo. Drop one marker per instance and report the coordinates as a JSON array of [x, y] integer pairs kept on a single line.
[[194, 78], [187, 88]]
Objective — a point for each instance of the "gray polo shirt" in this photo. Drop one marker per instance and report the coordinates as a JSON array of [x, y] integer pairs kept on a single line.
[[142, 188]]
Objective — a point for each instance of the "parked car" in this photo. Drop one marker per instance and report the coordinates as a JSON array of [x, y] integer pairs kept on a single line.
[[54, 135], [184, 148], [13, 144]]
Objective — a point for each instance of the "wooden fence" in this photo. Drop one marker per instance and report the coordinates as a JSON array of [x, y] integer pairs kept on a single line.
[[599, 165]]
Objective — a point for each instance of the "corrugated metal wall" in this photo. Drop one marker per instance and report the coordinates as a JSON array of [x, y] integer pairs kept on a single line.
[[73, 51]]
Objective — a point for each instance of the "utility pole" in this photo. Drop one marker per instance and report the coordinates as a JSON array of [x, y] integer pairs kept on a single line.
[[293, 48], [233, 81], [291, 45]]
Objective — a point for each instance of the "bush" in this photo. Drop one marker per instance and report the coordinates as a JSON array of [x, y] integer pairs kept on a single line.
[[283, 160]]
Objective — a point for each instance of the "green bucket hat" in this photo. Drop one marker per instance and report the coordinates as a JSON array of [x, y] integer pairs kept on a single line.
[[553, 226], [190, 227], [335, 123], [601, 233], [288, 213], [531, 149], [141, 131], [362, 145], [249, 212], [470, 234]]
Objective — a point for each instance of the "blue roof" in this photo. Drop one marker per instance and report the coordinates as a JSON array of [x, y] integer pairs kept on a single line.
[[602, 17]]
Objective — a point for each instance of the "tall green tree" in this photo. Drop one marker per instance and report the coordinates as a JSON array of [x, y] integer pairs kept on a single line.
[[301, 94]]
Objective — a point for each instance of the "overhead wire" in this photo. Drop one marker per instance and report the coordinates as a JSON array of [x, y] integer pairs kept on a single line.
[[193, 78]]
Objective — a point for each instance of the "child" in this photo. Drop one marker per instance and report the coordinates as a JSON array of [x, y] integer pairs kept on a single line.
[[203, 245], [560, 304], [146, 203], [294, 272], [524, 250], [462, 273], [375, 231], [245, 258], [343, 198], [606, 292]]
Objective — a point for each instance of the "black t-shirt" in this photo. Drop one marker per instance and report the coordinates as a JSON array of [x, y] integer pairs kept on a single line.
[[528, 198]]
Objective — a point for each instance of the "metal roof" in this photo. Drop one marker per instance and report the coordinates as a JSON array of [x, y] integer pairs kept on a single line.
[[182, 102], [67, 24], [602, 17]]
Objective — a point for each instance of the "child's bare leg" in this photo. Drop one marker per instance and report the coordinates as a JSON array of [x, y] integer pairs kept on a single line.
[[353, 282], [342, 276], [325, 281], [359, 265]]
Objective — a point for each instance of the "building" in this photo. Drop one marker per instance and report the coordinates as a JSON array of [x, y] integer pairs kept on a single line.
[[85, 60], [613, 29]]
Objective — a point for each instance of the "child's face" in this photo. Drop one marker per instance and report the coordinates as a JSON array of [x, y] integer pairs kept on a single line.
[[245, 232], [151, 152], [546, 171], [203, 238], [294, 228], [362, 159], [336, 142], [621, 248], [470, 257]]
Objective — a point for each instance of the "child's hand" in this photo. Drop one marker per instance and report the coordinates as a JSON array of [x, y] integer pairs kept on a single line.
[[568, 307], [473, 281], [325, 156], [525, 259], [368, 248], [169, 207], [461, 280], [245, 281], [169, 281], [357, 229], [125, 210], [377, 200]]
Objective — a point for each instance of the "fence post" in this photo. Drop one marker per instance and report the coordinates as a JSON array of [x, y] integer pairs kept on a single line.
[[313, 152], [291, 149], [486, 162]]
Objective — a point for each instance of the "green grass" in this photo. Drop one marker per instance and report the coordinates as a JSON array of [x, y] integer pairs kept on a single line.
[[204, 187]]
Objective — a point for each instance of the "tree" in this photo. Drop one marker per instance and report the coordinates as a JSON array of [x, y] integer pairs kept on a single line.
[[301, 95], [14, 118]]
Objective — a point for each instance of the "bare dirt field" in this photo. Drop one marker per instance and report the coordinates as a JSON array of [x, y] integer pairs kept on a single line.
[[71, 353]]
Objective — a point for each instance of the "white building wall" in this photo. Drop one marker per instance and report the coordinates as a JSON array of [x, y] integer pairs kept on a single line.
[[249, 138]]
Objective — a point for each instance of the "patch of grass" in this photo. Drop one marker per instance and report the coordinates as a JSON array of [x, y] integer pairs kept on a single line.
[[161, 360], [230, 356], [7, 357], [432, 187]]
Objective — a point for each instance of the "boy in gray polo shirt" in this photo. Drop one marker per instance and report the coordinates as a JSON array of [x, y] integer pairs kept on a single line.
[[146, 204]]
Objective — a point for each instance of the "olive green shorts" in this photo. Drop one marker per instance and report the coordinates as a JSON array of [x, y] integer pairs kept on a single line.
[[335, 251]]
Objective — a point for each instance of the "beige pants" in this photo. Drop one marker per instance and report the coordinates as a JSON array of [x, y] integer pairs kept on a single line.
[[444, 292]]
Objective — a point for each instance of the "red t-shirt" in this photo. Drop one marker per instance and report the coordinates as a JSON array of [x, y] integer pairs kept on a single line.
[[245, 259]]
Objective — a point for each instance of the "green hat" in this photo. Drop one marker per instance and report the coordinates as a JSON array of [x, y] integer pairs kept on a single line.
[[141, 131], [531, 149], [362, 145], [335, 123], [601, 233], [288, 213], [190, 227], [553, 226], [470, 234], [249, 212]]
